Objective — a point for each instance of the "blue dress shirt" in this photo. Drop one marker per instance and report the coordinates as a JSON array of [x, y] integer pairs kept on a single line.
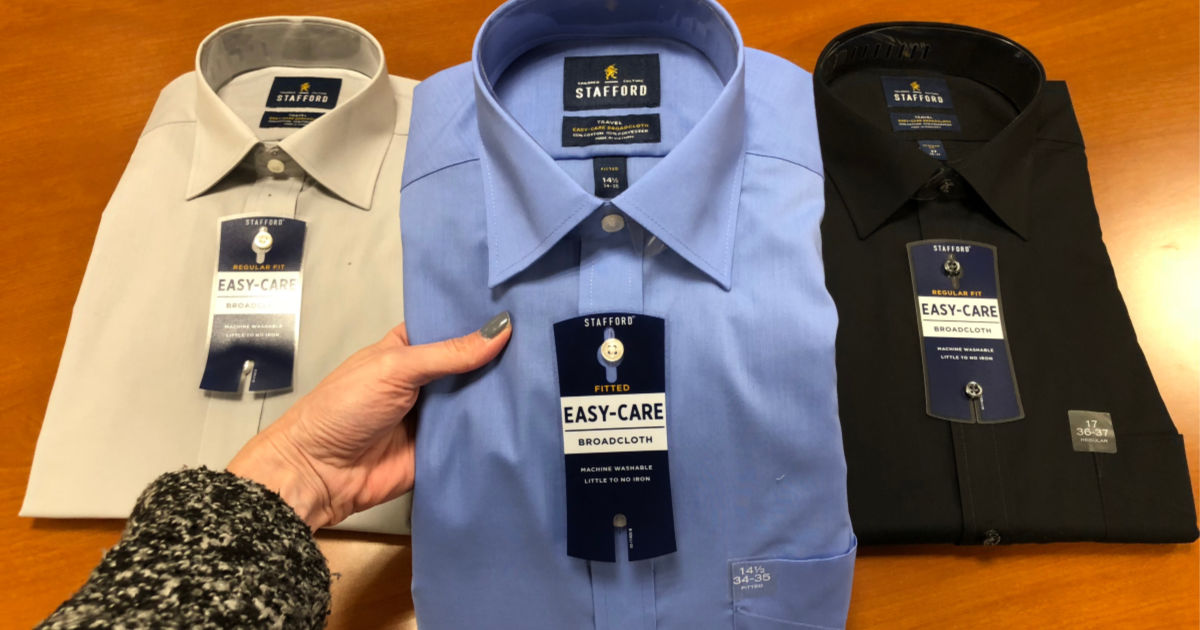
[[719, 235]]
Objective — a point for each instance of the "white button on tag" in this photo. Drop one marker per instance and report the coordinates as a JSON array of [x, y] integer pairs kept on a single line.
[[263, 241], [612, 223], [275, 166]]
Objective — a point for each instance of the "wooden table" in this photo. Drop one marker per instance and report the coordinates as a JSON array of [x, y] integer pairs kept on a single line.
[[78, 79]]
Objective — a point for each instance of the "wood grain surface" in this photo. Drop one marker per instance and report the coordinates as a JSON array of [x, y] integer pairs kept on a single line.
[[77, 83]]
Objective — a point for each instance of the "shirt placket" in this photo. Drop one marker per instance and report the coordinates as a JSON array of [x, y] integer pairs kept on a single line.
[[233, 418], [610, 281], [945, 213]]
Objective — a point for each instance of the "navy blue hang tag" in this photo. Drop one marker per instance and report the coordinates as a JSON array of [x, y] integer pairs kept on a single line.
[[969, 374], [255, 304], [613, 412]]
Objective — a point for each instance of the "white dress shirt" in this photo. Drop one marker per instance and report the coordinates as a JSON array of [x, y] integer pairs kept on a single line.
[[127, 404]]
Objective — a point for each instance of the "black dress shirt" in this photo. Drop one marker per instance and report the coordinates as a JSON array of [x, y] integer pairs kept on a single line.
[[937, 131]]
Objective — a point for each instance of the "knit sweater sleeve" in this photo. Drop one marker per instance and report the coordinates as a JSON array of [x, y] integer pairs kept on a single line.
[[205, 549]]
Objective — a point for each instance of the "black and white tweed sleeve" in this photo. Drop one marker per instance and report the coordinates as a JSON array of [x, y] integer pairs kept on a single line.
[[205, 549]]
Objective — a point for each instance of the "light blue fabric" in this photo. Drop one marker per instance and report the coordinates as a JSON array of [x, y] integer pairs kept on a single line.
[[721, 240]]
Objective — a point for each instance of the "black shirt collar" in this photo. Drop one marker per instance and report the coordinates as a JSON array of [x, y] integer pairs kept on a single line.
[[876, 171]]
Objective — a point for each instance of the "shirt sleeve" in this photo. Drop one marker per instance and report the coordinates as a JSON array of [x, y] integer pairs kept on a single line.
[[205, 549]]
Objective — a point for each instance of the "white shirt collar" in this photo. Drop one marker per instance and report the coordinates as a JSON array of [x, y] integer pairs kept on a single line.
[[343, 149]]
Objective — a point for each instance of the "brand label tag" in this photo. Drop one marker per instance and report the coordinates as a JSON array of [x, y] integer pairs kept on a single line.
[[922, 92], [292, 92], [968, 369], [255, 304], [610, 81], [613, 415]]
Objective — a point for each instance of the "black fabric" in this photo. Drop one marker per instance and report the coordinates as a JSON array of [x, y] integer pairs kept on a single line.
[[1018, 180], [205, 549]]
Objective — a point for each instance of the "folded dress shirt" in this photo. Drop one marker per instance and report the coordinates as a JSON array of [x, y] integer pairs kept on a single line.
[[284, 117], [992, 388], [644, 195]]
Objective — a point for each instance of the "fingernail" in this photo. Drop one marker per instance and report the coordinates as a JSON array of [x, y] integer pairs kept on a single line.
[[495, 325]]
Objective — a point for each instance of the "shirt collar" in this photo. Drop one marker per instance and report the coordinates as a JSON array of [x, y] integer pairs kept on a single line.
[[689, 199], [876, 171], [343, 149]]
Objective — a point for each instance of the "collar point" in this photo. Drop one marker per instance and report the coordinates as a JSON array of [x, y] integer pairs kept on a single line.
[[195, 189], [497, 277]]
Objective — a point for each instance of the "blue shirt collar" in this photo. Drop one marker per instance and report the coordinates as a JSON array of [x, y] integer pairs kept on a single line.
[[689, 200]]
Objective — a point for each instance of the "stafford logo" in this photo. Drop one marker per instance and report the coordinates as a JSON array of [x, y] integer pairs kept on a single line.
[[305, 86], [610, 73], [916, 87]]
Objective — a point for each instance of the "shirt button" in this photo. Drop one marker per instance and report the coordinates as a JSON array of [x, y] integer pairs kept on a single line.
[[947, 186], [275, 166], [619, 520], [973, 390], [612, 223], [991, 537]]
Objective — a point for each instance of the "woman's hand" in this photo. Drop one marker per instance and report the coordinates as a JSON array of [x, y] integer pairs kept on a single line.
[[345, 447]]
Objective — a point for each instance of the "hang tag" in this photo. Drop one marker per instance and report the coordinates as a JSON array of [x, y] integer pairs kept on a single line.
[[969, 375], [255, 312], [613, 412]]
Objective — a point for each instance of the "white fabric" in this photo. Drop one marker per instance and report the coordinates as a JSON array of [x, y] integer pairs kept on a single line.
[[126, 404]]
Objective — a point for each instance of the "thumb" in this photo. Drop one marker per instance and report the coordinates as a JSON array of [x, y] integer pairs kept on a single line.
[[431, 361]]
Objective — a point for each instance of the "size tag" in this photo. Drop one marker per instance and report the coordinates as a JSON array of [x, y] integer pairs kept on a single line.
[[751, 579], [968, 370], [610, 81], [292, 92], [613, 413], [610, 175], [916, 92], [255, 304], [582, 131], [1092, 431], [933, 148], [288, 119]]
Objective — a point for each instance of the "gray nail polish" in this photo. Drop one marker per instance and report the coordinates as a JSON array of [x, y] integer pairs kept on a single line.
[[495, 325]]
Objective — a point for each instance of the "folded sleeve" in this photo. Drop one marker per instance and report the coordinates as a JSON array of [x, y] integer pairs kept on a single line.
[[205, 549]]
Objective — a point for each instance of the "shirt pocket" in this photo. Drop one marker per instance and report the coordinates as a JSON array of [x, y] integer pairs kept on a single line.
[[786, 594]]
